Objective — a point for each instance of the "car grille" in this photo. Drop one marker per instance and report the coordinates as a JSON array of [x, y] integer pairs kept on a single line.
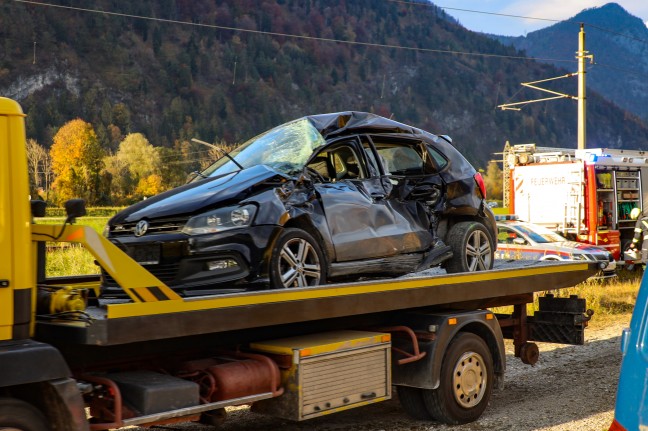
[[155, 226], [165, 273]]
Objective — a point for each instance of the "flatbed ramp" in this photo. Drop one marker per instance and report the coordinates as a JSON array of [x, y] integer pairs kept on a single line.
[[115, 323]]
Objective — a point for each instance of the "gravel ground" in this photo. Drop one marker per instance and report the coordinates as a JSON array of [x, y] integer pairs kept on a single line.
[[570, 388]]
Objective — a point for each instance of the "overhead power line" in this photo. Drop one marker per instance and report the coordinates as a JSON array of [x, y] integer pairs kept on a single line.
[[616, 33], [430, 5], [349, 42], [472, 11], [293, 36]]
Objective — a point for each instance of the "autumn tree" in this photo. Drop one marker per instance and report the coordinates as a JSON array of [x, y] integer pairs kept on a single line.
[[77, 159], [493, 179], [134, 169], [40, 166]]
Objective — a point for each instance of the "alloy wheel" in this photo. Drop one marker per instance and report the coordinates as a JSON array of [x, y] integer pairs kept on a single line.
[[299, 264]]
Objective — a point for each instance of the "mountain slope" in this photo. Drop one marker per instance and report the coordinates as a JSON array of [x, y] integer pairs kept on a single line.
[[187, 74], [619, 43]]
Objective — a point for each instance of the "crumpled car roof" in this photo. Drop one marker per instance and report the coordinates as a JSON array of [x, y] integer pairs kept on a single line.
[[353, 122]]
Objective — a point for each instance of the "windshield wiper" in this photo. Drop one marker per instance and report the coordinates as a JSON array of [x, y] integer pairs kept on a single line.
[[220, 150]]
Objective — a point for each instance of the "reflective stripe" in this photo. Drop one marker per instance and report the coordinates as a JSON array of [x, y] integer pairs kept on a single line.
[[638, 229]]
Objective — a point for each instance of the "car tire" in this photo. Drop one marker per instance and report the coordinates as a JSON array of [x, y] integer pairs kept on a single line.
[[466, 382], [411, 399], [19, 415], [472, 248], [297, 261]]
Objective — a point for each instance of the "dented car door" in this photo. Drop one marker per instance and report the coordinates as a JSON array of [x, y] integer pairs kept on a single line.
[[364, 219]]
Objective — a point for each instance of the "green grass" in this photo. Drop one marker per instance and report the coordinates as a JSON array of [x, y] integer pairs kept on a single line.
[[607, 298], [72, 260], [97, 223], [64, 259]]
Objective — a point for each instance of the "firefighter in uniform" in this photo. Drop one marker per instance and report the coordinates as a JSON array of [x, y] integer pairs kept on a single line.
[[640, 233]]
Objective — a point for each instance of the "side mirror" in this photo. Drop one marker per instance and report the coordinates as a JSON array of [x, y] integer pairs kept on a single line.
[[38, 208], [74, 208]]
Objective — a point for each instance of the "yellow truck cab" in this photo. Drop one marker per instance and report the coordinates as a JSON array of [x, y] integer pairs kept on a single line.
[[34, 376]]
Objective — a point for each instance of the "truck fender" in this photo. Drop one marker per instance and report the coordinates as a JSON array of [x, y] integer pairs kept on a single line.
[[442, 327], [37, 373]]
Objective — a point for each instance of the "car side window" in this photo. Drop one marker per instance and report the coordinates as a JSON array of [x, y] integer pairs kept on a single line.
[[508, 236], [336, 164], [436, 159], [400, 160]]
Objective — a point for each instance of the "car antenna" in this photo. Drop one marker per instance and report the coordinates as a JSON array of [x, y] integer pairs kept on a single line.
[[219, 149]]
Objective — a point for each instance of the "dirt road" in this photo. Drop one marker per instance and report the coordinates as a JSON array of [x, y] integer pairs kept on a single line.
[[571, 388]]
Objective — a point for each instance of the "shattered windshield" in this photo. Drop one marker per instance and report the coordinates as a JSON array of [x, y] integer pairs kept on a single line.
[[285, 148]]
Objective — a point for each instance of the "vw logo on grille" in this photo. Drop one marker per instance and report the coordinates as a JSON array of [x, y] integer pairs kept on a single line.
[[141, 227]]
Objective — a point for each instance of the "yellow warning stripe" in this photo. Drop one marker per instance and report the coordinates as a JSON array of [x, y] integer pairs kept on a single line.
[[327, 291]]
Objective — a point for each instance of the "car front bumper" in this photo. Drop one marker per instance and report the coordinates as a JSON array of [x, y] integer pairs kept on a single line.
[[186, 263]]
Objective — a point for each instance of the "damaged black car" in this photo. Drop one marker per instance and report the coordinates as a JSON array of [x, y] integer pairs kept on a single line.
[[331, 197]]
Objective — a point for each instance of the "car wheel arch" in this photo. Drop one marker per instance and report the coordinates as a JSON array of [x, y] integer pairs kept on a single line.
[[445, 226], [296, 259], [305, 223]]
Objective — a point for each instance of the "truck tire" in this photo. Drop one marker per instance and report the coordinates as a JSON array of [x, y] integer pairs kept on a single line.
[[471, 246], [17, 415], [466, 382], [411, 399], [297, 261]]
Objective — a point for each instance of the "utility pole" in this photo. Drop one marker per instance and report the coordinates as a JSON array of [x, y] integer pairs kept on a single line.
[[581, 55]]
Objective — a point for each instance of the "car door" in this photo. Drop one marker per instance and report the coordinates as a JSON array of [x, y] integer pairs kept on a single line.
[[362, 222]]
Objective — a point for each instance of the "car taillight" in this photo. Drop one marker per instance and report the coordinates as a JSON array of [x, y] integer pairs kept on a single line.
[[616, 426], [480, 183]]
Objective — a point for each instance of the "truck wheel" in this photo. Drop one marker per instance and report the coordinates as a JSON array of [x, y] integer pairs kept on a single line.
[[466, 382], [471, 248], [297, 261], [411, 399], [17, 415]]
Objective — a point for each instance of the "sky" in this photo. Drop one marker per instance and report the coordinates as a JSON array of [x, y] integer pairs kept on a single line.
[[546, 9]]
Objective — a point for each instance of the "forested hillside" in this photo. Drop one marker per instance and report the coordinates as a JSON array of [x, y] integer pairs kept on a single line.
[[226, 70]]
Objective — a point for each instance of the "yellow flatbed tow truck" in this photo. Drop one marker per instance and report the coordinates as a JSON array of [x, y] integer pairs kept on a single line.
[[70, 361]]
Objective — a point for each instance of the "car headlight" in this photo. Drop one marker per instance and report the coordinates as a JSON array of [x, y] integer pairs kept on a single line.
[[220, 220]]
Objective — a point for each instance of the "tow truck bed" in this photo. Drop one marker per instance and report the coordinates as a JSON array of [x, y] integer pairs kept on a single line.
[[129, 322]]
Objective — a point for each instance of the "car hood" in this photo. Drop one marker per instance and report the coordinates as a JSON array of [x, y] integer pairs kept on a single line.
[[199, 196]]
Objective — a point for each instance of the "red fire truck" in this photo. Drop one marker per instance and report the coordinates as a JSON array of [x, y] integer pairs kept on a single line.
[[587, 195]]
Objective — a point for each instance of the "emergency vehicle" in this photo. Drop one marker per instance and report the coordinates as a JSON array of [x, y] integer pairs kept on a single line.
[[586, 195]]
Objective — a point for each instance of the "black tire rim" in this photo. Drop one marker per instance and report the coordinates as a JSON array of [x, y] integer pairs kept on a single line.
[[299, 264], [478, 251]]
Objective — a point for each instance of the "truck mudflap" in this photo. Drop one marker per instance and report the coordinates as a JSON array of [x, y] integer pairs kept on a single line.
[[559, 320]]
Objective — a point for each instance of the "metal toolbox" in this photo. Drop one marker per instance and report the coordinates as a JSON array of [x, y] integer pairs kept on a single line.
[[328, 372]]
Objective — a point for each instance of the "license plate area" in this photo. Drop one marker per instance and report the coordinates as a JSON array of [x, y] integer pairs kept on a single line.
[[145, 254]]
